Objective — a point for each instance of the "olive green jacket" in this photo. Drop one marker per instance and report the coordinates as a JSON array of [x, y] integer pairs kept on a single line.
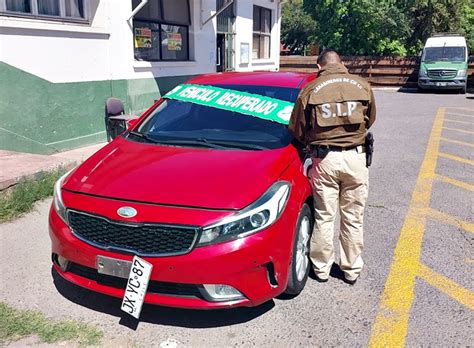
[[335, 109]]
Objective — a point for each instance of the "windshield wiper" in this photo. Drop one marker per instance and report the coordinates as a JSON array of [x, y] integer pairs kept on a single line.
[[238, 145], [144, 137], [202, 142], [214, 144]]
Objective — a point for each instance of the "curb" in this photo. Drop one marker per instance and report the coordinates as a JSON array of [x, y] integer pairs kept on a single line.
[[18, 165], [10, 183]]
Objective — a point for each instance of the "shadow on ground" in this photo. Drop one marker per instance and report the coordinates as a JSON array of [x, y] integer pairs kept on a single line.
[[155, 314], [335, 272]]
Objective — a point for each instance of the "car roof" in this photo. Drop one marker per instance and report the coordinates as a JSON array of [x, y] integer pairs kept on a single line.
[[441, 41], [260, 78]]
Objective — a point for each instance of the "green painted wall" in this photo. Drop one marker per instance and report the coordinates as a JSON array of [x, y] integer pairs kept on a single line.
[[41, 117]]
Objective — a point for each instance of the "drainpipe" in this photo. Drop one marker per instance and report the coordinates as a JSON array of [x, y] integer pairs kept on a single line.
[[138, 8], [279, 9], [280, 6], [281, 3]]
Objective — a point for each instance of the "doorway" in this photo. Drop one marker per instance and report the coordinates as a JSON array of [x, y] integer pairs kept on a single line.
[[220, 57], [225, 35], [225, 52]]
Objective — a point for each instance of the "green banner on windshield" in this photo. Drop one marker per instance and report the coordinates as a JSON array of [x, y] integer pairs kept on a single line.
[[227, 99]]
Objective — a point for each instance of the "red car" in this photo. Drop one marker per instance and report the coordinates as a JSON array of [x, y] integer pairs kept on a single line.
[[215, 200]]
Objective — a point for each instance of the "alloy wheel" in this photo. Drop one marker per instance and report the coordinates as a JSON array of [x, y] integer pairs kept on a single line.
[[302, 249]]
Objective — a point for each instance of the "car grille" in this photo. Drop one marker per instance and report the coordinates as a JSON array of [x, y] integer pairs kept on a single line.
[[140, 239], [442, 73], [163, 288]]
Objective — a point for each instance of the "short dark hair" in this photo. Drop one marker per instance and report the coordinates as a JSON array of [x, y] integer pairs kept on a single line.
[[329, 55]]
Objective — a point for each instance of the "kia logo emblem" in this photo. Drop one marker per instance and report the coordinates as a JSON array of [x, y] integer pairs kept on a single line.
[[127, 212]]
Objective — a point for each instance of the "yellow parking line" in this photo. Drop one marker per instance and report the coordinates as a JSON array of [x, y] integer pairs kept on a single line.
[[469, 260], [456, 121], [459, 130], [457, 142], [458, 183], [390, 327], [456, 158], [451, 220], [446, 285]]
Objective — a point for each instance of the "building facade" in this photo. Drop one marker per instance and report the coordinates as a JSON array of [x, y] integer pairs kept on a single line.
[[61, 59]]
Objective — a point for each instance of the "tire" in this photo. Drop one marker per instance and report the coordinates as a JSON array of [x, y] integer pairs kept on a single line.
[[300, 263], [463, 90]]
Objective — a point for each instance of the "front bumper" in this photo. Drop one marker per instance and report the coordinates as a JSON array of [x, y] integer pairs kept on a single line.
[[256, 265], [427, 83]]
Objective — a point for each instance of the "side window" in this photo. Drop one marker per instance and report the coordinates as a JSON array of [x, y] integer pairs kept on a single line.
[[262, 26], [20, 6], [161, 30], [174, 116], [64, 10]]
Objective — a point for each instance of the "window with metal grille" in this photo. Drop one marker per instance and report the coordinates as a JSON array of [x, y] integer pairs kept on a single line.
[[161, 30], [63, 10], [262, 27]]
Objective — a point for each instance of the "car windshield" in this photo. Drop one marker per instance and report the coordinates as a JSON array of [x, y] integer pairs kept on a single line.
[[449, 54], [181, 123]]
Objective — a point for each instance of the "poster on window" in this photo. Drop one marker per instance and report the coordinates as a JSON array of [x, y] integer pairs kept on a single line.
[[143, 38], [175, 41]]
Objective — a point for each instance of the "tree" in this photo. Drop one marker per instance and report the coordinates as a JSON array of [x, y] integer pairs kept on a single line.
[[388, 27], [297, 26], [359, 27], [437, 16], [467, 24]]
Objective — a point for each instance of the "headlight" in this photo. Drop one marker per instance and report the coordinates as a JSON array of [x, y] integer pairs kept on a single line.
[[58, 199], [423, 73], [257, 216], [462, 73]]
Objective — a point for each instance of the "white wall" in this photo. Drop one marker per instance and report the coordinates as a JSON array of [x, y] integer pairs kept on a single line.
[[202, 47], [56, 51], [244, 25], [103, 50]]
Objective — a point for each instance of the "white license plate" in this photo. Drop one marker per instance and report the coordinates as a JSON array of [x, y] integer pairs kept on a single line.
[[136, 287], [114, 267], [441, 84]]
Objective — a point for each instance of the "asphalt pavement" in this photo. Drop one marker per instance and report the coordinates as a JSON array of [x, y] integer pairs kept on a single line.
[[416, 288]]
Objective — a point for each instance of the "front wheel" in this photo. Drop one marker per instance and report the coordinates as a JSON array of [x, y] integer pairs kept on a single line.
[[299, 267]]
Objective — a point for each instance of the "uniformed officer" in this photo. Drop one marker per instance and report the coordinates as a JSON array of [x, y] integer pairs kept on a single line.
[[331, 116]]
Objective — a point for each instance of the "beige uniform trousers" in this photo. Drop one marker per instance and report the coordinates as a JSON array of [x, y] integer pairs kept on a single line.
[[339, 180]]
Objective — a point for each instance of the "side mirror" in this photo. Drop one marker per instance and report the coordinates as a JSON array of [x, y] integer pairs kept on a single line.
[[116, 122], [113, 126]]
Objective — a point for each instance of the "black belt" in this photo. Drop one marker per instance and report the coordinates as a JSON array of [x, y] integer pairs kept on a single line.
[[358, 148]]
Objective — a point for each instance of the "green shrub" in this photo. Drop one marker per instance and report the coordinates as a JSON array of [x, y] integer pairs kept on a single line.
[[21, 198], [16, 324]]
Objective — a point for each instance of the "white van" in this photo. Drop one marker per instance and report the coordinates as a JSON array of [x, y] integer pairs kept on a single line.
[[444, 63]]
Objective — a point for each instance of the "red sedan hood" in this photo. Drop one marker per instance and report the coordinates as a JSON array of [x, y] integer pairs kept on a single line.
[[192, 177]]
